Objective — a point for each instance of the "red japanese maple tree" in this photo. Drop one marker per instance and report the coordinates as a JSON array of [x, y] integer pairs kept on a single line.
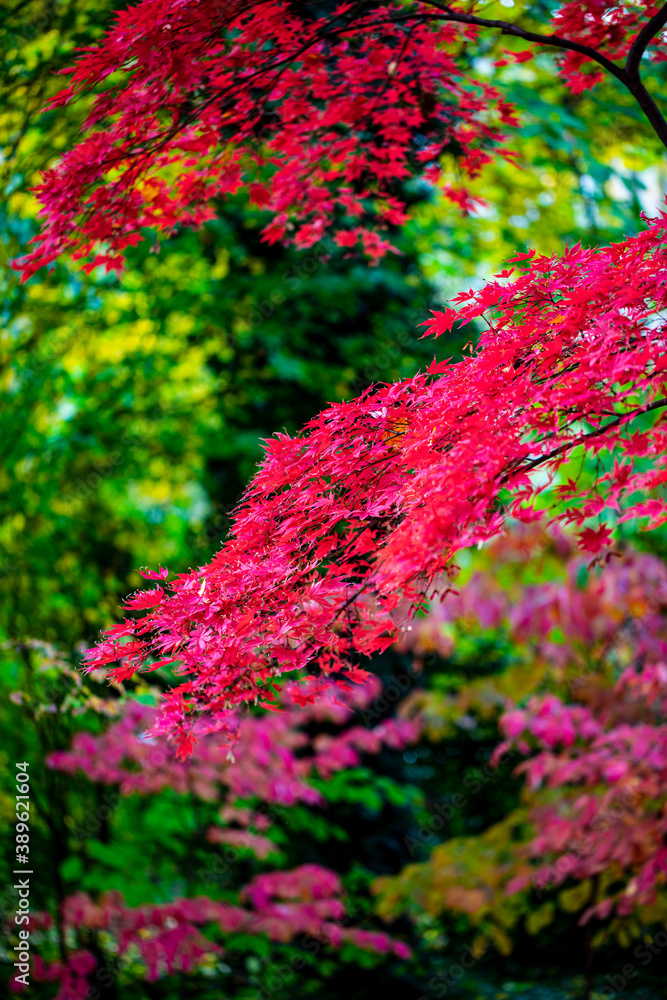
[[322, 110]]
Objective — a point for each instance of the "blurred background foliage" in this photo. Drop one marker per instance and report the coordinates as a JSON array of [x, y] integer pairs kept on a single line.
[[133, 413]]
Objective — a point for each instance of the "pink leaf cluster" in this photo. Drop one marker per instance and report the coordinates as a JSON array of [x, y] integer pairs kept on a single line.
[[613, 765], [596, 767], [275, 758], [622, 604], [169, 936]]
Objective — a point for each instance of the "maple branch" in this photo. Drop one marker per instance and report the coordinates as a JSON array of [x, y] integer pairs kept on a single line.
[[651, 110], [508, 28], [638, 47], [567, 445], [633, 81]]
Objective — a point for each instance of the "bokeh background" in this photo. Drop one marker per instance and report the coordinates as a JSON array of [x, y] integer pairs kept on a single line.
[[133, 411]]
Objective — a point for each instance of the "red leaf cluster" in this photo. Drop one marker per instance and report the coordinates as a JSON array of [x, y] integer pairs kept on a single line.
[[320, 115], [197, 99], [347, 522]]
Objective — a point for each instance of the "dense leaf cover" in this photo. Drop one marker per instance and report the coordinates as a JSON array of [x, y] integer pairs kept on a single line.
[[572, 631], [229, 89], [339, 106], [274, 767], [353, 518]]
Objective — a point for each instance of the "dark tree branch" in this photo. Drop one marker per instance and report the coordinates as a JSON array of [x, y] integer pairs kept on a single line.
[[628, 75], [638, 47], [507, 28], [651, 110], [632, 79], [658, 404]]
